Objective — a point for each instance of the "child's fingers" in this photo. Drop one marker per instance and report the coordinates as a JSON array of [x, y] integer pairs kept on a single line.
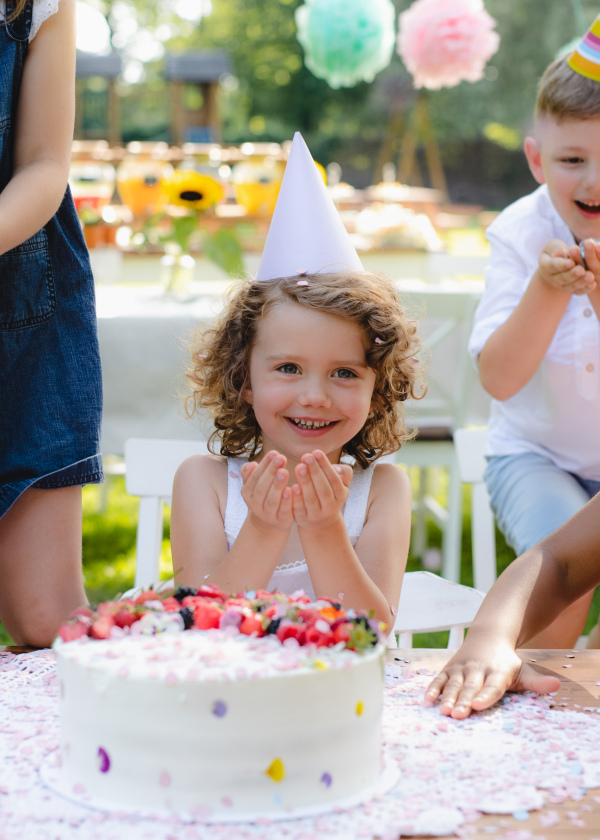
[[592, 258], [331, 475], [304, 475], [247, 469], [530, 680], [345, 472]]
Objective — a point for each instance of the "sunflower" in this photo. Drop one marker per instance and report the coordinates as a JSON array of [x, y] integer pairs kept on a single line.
[[193, 190]]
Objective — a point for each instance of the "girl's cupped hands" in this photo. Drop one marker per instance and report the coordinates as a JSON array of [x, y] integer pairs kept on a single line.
[[315, 501]]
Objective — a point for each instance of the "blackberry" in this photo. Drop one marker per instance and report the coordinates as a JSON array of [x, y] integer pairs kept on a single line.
[[273, 626], [188, 617], [183, 592]]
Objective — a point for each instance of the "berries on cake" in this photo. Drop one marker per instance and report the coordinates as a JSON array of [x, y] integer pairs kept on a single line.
[[207, 704]]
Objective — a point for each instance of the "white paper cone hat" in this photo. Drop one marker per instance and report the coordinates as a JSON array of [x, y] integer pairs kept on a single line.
[[306, 233]]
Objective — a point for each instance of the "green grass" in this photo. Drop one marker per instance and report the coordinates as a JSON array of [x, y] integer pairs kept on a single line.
[[109, 526]]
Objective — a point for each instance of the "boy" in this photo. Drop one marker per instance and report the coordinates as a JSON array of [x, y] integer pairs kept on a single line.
[[536, 336]]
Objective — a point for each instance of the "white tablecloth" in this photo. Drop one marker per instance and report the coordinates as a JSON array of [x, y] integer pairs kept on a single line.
[[144, 344]]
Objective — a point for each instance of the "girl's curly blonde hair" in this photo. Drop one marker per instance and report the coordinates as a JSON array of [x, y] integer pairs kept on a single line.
[[219, 372]]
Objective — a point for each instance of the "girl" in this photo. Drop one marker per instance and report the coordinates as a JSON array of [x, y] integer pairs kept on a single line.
[[49, 361], [299, 373]]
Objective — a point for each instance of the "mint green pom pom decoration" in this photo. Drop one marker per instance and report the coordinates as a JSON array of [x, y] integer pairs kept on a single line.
[[346, 41]]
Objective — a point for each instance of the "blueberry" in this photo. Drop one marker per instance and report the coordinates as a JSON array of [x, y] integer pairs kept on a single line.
[[273, 626], [184, 591], [188, 617]]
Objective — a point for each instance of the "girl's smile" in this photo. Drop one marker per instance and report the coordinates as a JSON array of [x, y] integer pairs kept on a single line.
[[309, 379]]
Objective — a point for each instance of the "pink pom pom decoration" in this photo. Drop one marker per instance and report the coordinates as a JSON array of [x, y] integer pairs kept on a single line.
[[444, 42]]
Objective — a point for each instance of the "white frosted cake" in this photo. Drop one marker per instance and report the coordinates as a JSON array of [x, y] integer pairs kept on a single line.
[[215, 720]]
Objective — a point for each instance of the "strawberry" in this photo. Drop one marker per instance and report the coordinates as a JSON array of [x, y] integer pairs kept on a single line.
[[87, 612], [171, 604], [207, 616], [71, 630], [252, 625], [148, 595], [125, 618], [101, 627], [342, 632]]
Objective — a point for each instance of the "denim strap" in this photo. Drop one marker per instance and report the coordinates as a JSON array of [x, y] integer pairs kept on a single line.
[[18, 29]]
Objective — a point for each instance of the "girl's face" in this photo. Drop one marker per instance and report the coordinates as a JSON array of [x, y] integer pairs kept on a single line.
[[310, 385]]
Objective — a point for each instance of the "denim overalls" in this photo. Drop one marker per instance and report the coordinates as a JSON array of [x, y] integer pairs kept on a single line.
[[50, 379]]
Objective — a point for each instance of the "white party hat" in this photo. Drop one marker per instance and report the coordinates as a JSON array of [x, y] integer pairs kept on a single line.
[[306, 235]]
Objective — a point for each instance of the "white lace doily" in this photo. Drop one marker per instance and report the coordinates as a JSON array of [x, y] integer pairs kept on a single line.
[[42, 9], [509, 760]]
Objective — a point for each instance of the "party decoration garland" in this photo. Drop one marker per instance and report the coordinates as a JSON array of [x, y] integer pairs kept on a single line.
[[346, 41], [444, 42]]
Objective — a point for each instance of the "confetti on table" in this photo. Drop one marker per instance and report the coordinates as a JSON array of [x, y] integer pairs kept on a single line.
[[509, 760]]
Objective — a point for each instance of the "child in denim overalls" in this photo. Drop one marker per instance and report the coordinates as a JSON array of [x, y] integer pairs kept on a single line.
[[50, 383]]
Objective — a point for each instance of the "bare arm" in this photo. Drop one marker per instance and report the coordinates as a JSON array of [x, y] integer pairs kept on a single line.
[[370, 574], [514, 352], [198, 542], [44, 130], [525, 599]]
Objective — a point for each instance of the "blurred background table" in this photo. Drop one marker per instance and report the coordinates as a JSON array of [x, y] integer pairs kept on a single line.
[[144, 341]]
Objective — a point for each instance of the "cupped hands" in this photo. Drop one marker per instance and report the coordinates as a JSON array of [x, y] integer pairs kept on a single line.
[[315, 501], [562, 266]]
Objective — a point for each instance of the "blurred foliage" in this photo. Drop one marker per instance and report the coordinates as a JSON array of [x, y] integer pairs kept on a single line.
[[271, 94]]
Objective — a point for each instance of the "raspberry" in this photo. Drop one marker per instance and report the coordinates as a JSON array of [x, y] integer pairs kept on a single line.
[[289, 630], [315, 637]]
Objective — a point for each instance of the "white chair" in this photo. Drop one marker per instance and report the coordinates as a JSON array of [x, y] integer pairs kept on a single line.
[[429, 603], [447, 326], [470, 446], [150, 466]]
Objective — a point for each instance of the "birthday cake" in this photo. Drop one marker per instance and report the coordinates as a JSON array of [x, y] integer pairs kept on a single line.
[[205, 704]]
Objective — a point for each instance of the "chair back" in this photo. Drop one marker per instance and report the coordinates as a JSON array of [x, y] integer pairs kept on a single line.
[[446, 325], [470, 447], [150, 467], [429, 603]]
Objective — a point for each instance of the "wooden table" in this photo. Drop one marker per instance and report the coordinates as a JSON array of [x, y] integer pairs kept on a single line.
[[578, 689]]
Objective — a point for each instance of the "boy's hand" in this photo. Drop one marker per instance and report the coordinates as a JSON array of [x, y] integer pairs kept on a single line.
[[561, 267], [591, 249], [266, 493], [321, 491], [478, 675]]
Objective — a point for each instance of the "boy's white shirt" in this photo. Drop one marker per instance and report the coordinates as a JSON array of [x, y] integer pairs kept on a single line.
[[557, 414], [42, 10]]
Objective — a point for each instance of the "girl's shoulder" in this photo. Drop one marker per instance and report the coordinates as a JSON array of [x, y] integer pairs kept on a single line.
[[390, 485], [202, 475]]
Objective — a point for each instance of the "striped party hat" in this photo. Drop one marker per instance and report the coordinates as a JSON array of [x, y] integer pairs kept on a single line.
[[586, 57]]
